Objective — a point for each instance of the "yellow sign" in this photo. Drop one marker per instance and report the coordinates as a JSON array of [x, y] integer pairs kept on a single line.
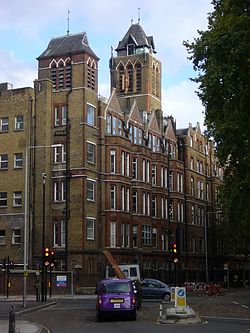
[[25, 274], [180, 297]]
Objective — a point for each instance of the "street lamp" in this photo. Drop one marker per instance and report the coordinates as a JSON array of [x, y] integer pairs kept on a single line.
[[26, 217], [206, 243]]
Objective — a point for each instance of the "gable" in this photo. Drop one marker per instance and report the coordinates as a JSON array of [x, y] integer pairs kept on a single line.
[[113, 104], [153, 124], [134, 114]]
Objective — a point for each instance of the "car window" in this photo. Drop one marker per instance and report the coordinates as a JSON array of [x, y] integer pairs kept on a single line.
[[118, 287]]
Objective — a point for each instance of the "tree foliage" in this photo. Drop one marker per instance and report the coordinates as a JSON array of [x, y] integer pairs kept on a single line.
[[221, 58]]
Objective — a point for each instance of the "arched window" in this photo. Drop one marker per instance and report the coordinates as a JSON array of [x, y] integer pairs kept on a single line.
[[157, 82], [53, 75], [121, 77], [138, 77], [91, 73], [61, 75], [153, 79], [68, 74], [130, 78]]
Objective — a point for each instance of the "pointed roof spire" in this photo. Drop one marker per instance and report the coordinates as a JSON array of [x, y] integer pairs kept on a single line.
[[136, 34]]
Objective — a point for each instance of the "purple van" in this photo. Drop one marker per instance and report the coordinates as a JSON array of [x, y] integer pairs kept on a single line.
[[115, 296]]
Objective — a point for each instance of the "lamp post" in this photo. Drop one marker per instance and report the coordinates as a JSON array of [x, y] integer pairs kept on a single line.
[[206, 243], [26, 217]]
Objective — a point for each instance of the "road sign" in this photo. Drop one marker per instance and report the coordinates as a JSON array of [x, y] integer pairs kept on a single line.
[[180, 298], [61, 281]]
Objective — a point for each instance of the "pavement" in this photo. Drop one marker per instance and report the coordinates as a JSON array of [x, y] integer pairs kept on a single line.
[[24, 326]]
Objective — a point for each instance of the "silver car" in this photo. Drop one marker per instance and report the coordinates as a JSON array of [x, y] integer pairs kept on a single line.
[[152, 288]]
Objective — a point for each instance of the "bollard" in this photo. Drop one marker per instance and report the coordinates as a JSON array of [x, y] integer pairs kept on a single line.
[[12, 320], [160, 314]]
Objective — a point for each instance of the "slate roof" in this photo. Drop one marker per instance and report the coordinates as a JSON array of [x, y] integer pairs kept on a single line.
[[69, 44], [136, 34]]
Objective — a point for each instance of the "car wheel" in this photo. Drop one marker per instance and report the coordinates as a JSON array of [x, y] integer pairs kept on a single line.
[[166, 297]]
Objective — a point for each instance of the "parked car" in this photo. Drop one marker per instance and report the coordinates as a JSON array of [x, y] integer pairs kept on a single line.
[[152, 288], [115, 296]]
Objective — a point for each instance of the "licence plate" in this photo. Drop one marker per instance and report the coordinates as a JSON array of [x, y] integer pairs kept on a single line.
[[116, 300]]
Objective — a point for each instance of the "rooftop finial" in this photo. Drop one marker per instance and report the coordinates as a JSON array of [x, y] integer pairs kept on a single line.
[[131, 21], [139, 14], [68, 22]]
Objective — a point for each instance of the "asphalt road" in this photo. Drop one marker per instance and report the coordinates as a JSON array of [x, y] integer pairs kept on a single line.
[[221, 314]]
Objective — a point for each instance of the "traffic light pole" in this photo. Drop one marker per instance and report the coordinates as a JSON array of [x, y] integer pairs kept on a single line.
[[43, 286]]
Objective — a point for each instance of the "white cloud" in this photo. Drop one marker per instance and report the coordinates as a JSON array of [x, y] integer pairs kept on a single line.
[[15, 72], [183, 104]]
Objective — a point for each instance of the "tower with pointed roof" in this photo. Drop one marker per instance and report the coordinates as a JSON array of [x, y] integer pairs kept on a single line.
[[136, 72]]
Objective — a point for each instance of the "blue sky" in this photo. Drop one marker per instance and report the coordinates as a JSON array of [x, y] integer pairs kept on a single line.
[[26, 29]]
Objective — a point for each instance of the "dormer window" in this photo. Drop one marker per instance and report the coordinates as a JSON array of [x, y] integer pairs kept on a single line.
[[130, 49]]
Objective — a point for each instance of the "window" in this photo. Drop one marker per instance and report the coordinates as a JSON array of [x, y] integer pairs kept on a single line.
[[171, 180], [127, 164], [90, 152], [2, 236], [146, 234], [153, 174], [60, 115], [114, 125], [112, 234], [119, 127], [112, 161], [127, 199], [113, 197], [59, 191], [19, 125], [135, 202], [138, 77], [4, 161], [134, 168], [143, 170], [193, 214], [108, 124], [154, 237], [135, 236], [144, 203], [90, 190], [125, 232], [90, 114], [90, 228], [91, 74], [59, 233], [180, 212], [162, 176], [123, 163], [18, 160], [16, 236], [3, 199], [17, 199], [148, 171], [122, 198], [192, 163], [179, 182], [154, 206], [4, 124], [60, 154]]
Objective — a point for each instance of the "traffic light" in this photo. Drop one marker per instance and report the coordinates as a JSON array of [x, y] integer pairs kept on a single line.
[[4, 262], [52, 259], [174, 248], [46, 256]]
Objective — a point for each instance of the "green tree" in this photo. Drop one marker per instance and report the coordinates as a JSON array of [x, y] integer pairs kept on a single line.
[[221, 58]]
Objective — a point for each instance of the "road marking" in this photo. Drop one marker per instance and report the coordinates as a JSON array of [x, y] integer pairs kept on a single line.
[[244, 306], [235, 302], [226, 318]]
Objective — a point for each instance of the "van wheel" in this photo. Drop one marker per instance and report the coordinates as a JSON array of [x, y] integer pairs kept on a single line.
[[166, 297]]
